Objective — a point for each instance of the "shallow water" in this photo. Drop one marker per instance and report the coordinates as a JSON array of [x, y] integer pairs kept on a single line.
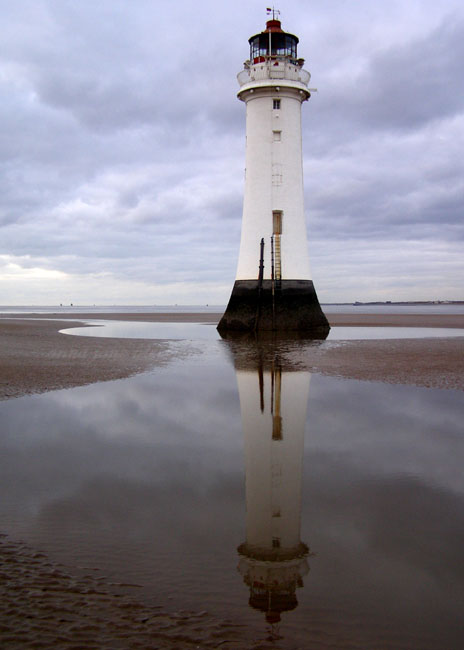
[[230, 482], [208, 331]]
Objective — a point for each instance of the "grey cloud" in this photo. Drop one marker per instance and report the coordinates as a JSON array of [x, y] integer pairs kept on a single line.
[[402, 87], [420, 82]]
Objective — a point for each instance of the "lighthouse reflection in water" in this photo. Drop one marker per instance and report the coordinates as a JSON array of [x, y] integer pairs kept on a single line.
[[273, 560]]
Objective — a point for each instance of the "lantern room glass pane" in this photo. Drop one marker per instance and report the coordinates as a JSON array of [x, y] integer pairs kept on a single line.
[[281, 45]]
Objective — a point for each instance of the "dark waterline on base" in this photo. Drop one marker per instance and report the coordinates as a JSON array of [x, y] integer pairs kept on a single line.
[[146, 478]]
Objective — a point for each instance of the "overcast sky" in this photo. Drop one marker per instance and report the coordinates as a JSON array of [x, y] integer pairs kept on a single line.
[[123, 148]]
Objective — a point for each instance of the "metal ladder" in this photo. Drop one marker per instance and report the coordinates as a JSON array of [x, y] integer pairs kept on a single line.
[[277, 259]]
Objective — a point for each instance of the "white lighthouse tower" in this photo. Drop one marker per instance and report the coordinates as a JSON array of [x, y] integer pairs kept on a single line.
[[273, 289]]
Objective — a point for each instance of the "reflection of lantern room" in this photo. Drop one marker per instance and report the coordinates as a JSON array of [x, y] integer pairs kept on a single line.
[[273, 558], [273, 584], [273, 289]]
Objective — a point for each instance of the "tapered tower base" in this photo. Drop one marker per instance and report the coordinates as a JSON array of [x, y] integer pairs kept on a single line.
[[291, 306]]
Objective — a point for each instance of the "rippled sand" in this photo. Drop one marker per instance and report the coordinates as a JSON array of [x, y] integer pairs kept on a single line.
[[43, 606]]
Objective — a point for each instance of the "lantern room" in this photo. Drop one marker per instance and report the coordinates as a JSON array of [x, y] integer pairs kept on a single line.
[[273, 43]]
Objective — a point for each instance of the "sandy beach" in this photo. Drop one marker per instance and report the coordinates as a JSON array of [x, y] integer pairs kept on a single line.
[[35, 357]]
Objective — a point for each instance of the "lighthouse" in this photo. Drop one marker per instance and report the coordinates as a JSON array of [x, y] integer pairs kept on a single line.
[[273, 289]]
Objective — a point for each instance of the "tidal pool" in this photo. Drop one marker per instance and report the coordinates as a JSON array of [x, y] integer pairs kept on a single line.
[[304, 507], [207, 331]]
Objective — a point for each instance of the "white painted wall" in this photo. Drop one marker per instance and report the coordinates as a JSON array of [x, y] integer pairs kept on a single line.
[[263, 154]]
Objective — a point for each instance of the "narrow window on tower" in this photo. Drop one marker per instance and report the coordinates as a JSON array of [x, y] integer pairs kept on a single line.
[[277, 222], [277, 136], [277, 174], [276, 104]]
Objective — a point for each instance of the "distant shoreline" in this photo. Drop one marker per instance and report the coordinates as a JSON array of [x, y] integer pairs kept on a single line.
[[207, 308], [408, 303]]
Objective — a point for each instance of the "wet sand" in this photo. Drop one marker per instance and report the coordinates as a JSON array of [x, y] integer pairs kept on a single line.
[[431, 363], [35, 357], [45, 605]]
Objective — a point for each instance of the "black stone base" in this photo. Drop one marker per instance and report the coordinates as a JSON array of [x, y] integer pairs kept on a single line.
[[292, 307]]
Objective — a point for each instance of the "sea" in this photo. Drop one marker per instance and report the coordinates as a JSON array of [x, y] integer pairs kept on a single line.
[[330, 308]]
